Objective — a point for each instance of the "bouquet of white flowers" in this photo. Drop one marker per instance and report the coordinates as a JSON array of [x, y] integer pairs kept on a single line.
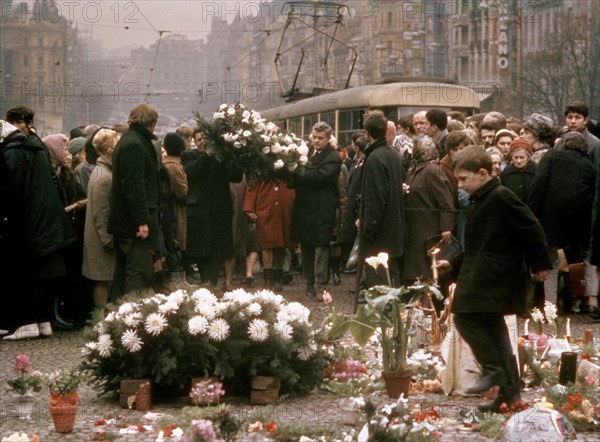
[[172, 338], [241, 137]]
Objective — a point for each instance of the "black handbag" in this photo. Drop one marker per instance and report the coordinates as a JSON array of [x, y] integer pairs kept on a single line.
[[448, 251]]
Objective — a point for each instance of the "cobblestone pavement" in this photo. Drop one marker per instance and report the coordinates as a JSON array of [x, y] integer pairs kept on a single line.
[[63, 350]]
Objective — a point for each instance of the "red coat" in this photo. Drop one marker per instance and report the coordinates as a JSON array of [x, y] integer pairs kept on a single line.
[[272, 202]]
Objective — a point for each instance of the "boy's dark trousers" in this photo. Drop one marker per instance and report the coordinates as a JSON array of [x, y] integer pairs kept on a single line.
[[487, 335]]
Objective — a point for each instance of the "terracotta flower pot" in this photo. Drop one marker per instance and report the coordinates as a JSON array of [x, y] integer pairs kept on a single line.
[[63, 417], [396, 383], [63, 410]]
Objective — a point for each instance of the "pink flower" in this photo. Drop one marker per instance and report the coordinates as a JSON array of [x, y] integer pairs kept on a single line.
[[22, 364], [255, 427], [590, 379], [327, 298]]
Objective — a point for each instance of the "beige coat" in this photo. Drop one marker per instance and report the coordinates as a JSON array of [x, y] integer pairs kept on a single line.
[[98, 244]]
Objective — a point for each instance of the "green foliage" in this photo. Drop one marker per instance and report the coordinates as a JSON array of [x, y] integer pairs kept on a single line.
[[170, 339]]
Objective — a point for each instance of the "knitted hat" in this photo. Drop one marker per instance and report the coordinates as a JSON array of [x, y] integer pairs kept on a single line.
[[520, 143], [56, 148], [540, 126], [76, 145], [174, 144]]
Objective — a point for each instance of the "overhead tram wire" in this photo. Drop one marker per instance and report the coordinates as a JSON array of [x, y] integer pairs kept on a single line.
[[153, 68]]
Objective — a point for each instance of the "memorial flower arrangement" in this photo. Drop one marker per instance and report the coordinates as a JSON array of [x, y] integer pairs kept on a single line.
[[426, 368], [259, 148], [171, 338], [399, 421], [27, 380], [387, 315]]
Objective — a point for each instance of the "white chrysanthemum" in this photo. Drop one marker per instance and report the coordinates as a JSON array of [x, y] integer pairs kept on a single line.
[[177, 297], [204, 296], [91, 345], [287, 140], [268, 297], [284, 330], [168, 307], [155, 323], [254, 309], [278, 164], [105, 347], [228, 137], [265, 138], [221, 308], [110, 317], [231, 111], [276, 148], [247, 134], [238, 297], [223, 106], [303, 160], [206, 310], [266, 149], [126, 309], [132, 319], [99, 328], [306, 352], [293, 166], [197, 325], [297, 312], [218, 330], [258, 330], [131, 341]]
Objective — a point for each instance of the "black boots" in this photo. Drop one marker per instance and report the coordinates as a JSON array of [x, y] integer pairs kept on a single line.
[[334, 270], [276, 276], [510, 388]]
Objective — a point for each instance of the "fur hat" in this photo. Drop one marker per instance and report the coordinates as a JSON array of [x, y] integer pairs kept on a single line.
[[520, 143], [540, 126], [76, 145], [174, 144]]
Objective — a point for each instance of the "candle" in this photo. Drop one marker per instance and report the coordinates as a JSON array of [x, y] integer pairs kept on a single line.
[[568, 328], [544, 404], [160, 436], [568, 367], [434, 269], [588, 337], [526, 328]]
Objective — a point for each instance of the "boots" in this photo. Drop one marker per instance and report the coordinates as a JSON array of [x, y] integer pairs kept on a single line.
[[334, 269], [276, 278], [491, 376], [509, 389], [297, 262], [268, 275]]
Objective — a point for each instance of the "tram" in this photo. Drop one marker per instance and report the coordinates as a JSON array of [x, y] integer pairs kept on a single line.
[[344, 109]]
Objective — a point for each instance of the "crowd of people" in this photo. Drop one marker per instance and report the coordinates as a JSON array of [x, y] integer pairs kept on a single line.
[[107, 211]]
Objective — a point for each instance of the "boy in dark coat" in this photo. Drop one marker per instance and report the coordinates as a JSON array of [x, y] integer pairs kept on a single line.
[[503, 243]]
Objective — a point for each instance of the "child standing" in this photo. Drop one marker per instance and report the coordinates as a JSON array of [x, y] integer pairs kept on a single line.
[[503, 243]]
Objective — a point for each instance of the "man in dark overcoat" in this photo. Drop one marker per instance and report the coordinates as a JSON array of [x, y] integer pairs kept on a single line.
[[504, 242], [209, 211], [34, 231], [133, 217], [314, 215], [381, 213]]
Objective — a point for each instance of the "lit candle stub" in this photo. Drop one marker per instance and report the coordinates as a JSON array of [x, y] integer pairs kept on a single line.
[[526, 328], [544, 404], [568, 328], [160, 437], [588, 337]]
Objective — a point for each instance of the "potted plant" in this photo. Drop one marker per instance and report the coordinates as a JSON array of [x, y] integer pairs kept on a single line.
[[387, 314], [24, 385], [64, 398]]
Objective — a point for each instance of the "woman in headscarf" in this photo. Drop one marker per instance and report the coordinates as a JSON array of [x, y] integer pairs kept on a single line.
[[429, 207]]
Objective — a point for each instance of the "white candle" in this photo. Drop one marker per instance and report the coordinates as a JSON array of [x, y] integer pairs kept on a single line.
[[160, 437], [526, 328], [434, 269], [568, 327]]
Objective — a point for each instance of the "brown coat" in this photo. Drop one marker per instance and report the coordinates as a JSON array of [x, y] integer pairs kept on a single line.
[[179, 189], [429, 208], [272, 202]]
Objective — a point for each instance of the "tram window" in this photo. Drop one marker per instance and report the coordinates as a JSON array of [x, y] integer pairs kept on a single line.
[[309, 122], [328, 117], [296, 126], [350, 120]]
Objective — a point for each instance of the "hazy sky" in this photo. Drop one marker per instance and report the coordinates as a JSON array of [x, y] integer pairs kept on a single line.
[[127, 23]]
